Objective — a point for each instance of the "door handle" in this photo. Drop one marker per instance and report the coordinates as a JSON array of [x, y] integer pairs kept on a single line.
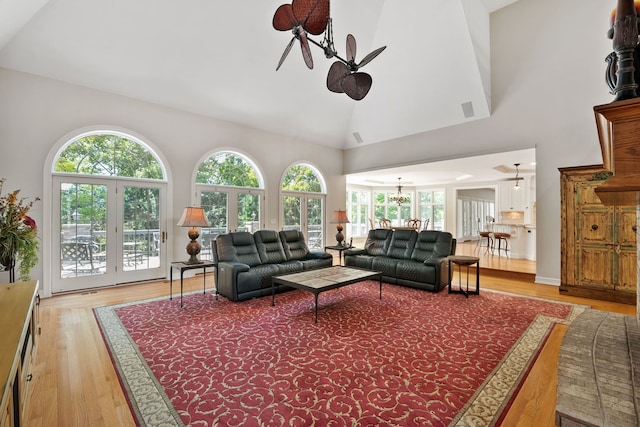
[[164, 235]]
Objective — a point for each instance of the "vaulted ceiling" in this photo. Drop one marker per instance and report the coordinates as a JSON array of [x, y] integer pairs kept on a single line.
[[218, 59]]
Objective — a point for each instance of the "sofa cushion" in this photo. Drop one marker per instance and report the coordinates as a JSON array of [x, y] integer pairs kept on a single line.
[[238, 247], [416, 271], [378, 241], [431, 244], [269, 246], [385, 265], [402, 243], [259, 274], [295, 247]]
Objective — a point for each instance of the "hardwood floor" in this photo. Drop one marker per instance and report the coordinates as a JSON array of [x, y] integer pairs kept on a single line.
[[74, 382]]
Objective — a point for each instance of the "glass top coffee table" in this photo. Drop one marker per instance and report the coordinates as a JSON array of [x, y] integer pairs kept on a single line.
[[323, 279]]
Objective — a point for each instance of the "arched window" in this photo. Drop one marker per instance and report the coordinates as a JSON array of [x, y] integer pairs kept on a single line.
[[302, 178], [108, 154], [230, 189], [109, 205], [227, 168], [303, 199]]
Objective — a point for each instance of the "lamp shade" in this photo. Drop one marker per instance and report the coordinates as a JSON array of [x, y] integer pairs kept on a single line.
[[339, 217], [193, 217]]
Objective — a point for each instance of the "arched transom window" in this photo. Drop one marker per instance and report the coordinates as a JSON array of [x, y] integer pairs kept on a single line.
[[108, 154], [227, 168]]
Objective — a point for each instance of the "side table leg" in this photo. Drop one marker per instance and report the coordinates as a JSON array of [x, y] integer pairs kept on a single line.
[[478, 278], [316, 307], [171, 284], [181, 276], [204, 281]]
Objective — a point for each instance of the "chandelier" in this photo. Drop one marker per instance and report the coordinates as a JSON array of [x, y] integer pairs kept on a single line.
[[400, 198]]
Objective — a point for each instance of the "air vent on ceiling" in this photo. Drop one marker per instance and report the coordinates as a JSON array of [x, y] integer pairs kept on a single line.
[[357, 137], [467, 110]]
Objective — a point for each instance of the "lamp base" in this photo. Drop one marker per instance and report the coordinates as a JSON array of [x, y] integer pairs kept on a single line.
[[339, 235], [193, 248]]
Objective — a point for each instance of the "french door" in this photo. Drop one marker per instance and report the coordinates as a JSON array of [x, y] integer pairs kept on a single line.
[[106, 232], [305, 212], [228, 209]]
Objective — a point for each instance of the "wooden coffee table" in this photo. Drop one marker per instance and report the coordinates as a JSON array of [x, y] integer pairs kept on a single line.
[[323, 279]]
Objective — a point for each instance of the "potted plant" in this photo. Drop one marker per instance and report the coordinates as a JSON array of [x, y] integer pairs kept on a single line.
[[18, 233]]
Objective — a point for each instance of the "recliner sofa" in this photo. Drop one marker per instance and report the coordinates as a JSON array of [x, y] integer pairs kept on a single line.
[[405, 257], [246, 262]]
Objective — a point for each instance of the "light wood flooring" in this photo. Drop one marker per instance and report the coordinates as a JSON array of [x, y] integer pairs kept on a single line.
[[74, 382]]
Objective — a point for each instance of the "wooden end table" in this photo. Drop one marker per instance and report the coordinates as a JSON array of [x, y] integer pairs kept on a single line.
[[182, 266]]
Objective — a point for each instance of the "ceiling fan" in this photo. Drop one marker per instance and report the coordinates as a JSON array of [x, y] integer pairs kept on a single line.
[[305, 17]]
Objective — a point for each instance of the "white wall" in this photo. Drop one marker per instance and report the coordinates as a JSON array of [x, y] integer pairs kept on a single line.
[[539, 100], [35, 113]]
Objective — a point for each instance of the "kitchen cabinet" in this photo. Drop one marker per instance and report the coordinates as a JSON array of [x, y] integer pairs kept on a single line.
[[513, 200], [598, 241]]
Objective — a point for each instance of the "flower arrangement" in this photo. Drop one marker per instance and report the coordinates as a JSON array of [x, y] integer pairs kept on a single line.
[[18, 233]]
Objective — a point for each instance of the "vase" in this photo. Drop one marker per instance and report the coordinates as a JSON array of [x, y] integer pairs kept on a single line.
[[8, 261]]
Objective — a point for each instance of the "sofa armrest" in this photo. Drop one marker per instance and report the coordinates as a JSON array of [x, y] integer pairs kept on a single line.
[[355, 251], [226, 282], [318, 255], [441, 265], [436, 261]]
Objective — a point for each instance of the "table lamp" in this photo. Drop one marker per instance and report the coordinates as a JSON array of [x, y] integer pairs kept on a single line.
[[339, 217], [193, 217]]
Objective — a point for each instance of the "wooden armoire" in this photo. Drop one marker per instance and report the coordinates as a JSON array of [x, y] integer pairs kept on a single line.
[[599, 255]]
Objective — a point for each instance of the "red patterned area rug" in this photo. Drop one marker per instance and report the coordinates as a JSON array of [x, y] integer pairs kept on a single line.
[[412, 358]]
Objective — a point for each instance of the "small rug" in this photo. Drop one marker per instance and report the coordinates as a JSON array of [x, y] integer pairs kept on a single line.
[[412, 358]]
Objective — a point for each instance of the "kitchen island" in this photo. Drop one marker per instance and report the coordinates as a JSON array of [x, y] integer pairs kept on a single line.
[[522, 243]]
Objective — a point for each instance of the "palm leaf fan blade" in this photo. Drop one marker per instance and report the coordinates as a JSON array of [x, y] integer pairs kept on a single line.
[[357, 85], [337, 72], [313, 15], [351, 48], [283, 19], [306, 50], [371, 56], [285, 53]]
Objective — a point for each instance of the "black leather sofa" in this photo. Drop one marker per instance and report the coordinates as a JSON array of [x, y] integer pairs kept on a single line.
[[246, 262], [405, 257]]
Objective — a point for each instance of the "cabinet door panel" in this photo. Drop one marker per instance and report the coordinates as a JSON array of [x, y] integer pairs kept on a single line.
[[594, 267], [627, 271], [626, 228], [594, 227]]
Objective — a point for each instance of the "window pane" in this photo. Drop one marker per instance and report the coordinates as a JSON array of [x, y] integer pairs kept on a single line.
[[83, 220], [292, 213], [227, 168], [141, 235], [248, 212], [108, 155], [301, 178]]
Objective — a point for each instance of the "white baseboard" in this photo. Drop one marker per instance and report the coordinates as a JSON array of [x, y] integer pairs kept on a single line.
[[547, 281]]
